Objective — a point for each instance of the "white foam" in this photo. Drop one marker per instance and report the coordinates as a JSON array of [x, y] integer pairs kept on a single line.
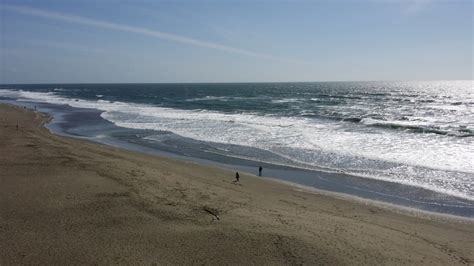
[[286, 100], [285, 135]]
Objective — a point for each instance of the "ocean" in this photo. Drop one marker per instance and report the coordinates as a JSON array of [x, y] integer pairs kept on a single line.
[[409, 141]]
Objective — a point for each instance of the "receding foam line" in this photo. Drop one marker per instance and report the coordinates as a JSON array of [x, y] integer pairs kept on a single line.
[[267, 133]]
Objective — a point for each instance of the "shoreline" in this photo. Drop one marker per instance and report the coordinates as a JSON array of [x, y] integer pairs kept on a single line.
[[72, 197], [67, 122], [406, 210]]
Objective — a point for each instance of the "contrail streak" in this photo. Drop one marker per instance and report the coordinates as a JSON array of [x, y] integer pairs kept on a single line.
[[137, 30]]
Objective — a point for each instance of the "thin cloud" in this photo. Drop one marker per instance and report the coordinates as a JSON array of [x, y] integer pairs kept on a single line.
[[139, 30], [69, 46]]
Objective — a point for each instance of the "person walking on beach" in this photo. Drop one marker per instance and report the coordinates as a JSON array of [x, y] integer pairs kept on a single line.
[[237, 176], [260, 170]]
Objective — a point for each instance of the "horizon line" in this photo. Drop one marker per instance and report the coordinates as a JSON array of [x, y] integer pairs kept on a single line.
[[231, 82]]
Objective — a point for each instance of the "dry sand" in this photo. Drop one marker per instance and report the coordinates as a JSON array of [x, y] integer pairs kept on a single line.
[[69, 201]]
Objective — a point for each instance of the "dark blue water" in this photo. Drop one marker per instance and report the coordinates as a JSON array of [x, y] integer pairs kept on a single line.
[[417, 134]]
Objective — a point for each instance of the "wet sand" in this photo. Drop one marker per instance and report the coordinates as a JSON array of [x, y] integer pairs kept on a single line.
[[65, 200]]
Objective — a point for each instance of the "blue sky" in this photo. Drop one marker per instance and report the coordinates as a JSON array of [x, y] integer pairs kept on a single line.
[[234, 41]]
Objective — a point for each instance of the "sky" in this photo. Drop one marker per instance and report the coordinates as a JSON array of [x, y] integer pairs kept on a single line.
[[144, 41]]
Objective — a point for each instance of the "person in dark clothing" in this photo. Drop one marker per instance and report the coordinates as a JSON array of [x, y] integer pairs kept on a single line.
[[260, 170], [237, 176]]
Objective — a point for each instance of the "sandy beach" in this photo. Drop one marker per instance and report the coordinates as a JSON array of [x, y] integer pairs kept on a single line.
[[70, 201]]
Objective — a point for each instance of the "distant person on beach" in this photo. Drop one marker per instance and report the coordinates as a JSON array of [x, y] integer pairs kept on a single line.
[[260, 170], [16, 127], [237, 176]]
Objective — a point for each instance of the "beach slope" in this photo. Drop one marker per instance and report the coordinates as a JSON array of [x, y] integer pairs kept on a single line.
[[65, 200]]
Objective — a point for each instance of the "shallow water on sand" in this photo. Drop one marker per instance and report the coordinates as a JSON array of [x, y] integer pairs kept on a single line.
[[90, 124], [413, 133]]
